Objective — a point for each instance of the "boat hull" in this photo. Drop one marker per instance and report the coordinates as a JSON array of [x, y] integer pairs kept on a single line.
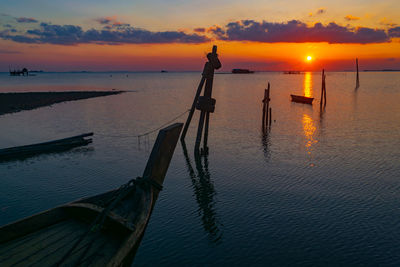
[[302, 99]]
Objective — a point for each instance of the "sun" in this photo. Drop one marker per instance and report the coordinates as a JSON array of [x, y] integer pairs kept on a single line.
[[309, 58]]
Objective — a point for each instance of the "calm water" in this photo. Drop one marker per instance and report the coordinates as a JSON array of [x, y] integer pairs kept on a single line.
[[318, 189]]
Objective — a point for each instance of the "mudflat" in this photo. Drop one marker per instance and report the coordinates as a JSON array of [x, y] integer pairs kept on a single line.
[[15, 102]]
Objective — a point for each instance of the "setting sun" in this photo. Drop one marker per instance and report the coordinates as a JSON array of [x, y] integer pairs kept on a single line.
[[309, 58]]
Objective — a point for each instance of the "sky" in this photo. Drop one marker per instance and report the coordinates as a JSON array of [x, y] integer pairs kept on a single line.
[[175, 35]]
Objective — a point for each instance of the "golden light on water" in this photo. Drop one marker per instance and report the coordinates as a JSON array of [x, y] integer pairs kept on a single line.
[[307, 84], [309, 131]]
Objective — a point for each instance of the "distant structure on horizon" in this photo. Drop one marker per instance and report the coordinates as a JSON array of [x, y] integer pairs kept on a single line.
[[19, 72], [292, 72], [242, 71]]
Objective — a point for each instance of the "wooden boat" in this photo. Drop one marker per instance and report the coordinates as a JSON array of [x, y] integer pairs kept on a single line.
[[103, 230], [302, 99], [52, 146]]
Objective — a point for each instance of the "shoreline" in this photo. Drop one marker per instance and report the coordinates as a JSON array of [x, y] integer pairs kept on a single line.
[[16, 102]]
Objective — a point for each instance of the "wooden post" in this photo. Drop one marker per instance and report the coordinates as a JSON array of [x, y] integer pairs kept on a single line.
[[189, 119], [358, 77], [270, 117], [263, 109], [322, 89], [267, 107]]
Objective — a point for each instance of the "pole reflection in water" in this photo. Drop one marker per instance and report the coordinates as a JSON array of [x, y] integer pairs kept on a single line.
[[205, 193], [308, 91], [265, 141]]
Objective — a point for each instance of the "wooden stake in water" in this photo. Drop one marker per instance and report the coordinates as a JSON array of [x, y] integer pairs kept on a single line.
[[322, 90], [358, 77]]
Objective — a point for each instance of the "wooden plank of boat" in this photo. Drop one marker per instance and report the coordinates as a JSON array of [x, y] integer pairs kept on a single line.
[[103, 230], [46, 147], [302, 99]]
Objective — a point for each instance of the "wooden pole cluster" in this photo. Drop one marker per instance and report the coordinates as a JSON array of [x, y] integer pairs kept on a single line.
[[358, 77], [205, 103], [323, 91], [267, 111]]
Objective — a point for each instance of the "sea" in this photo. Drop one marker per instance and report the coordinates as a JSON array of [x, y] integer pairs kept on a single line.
[[319, 187]]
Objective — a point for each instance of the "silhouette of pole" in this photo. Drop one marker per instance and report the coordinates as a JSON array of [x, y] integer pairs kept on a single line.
[[205, 103], [358, 77]]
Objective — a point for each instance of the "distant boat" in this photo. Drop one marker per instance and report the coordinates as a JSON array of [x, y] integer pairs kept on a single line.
[[102, 230], [292, 72], [242, 71], [47, 147], [302, 99], [164, 71]]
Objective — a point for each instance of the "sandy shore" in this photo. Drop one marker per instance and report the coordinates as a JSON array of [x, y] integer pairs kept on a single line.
[[14, 102]]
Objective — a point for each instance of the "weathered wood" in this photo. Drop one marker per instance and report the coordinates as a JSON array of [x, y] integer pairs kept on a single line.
[[302, 99], [270, 116], [206, 103], [66, 235], [56, 145], [357, 77]]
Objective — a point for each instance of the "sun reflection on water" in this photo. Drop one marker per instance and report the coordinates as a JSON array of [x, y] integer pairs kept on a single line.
[[308, 84], [309, 132]]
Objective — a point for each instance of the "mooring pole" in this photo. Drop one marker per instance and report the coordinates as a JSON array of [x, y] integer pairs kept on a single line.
[[189, 119], [267, 108], [263, 109], [322, 89], [358, 77], [205, 103]]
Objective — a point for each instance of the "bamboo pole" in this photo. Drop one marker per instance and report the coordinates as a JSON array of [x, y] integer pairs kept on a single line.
[[357, 77]]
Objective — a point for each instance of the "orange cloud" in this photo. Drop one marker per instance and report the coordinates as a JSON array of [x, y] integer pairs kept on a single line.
[[350, 18]]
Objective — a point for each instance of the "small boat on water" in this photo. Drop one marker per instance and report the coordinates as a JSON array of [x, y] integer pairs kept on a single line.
[[103, 230], [241, 71], [47, 147], [302, 99]]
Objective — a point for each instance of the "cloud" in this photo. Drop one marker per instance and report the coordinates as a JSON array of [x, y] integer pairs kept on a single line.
[[387, 22], [319, 11], [295, 31], [26, 20], [4, 51], [121, 34], [350, 18], [394, 32], [199, 30]]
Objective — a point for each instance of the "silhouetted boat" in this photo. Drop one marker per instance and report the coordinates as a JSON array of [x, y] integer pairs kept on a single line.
[[302, 99], [242, 71], [52, 146], [103, 230]]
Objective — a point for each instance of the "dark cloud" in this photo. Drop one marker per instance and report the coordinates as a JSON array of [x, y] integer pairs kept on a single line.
[[350, 18], [7, 26], [295, 31], [199, 29], [394, 32], [118, 34], [26, 20], [105, 20]]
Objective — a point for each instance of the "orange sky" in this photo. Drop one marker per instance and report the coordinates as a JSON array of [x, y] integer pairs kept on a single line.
[[237, 49]]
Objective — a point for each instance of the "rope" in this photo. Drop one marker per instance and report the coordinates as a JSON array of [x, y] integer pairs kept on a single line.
[[146, 133]]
